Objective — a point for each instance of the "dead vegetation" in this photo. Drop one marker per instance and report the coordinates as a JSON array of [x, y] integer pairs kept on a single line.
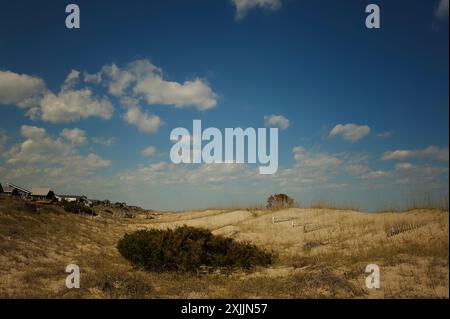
[[38, 241]]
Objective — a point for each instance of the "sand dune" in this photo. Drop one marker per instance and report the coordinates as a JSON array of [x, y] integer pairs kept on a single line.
[[319, 253]]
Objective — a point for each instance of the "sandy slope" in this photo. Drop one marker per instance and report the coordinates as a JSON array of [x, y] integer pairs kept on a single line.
[[320, 253]]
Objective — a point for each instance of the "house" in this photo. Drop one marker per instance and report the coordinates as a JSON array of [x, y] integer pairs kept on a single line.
[[10, 191], [16, 191], [106, 203], [42, 193], [95, 202], [119, 205], [71, 198], [2, 192]]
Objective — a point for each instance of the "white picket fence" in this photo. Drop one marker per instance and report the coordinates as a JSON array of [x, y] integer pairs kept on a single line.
[[307, 228], [396, 229], [280, 220]]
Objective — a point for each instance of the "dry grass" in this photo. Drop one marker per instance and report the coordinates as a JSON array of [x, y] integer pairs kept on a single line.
[[327, 261]]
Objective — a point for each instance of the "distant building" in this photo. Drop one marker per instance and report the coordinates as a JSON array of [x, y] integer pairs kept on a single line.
[[42, 193], [95, 202], [16, 191], [71, 198], [119, 205], [10, 191]]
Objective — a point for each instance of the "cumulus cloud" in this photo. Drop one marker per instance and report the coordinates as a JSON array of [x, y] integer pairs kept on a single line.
[[20, 89], [191, 93], [30, 131], [350, 132], [74, 136], [312, 169], [68, 105], [433, 152], [163, 173], [72, 105], [149, 151], [428, 176], [145, 123], [53, 157], [441, 11], [71, 80], [243, 6], [310, 159], [95, 78], [276, 120], [141, 79], [117, 80]]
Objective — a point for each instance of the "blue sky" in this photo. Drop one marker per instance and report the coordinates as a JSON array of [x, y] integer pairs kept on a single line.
[[363, 114]]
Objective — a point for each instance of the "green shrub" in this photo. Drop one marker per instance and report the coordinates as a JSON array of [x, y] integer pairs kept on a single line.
[[188, 248], [75, 208]]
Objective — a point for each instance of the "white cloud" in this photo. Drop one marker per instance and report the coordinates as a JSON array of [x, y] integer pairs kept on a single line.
[[104, 141], [433, 152], [442, 9], [357, 164], [397, 155], [29, 131], [71, 80], [276, 120], [350, 132], [191, 93], [72, 105], [149, 151], [310, 160], [313, 169], [50, 157], [376, 175], [404, 166], [20, 89], [141, 79], [39, 147], [163, 173], [95, 78], [75, 136], [425, 176], [243, 6], [146, 123], [117, 80], [69, 105]]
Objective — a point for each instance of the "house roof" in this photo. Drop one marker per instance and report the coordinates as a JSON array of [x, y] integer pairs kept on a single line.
[[19, 188], [8, 189], [40, 191]]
